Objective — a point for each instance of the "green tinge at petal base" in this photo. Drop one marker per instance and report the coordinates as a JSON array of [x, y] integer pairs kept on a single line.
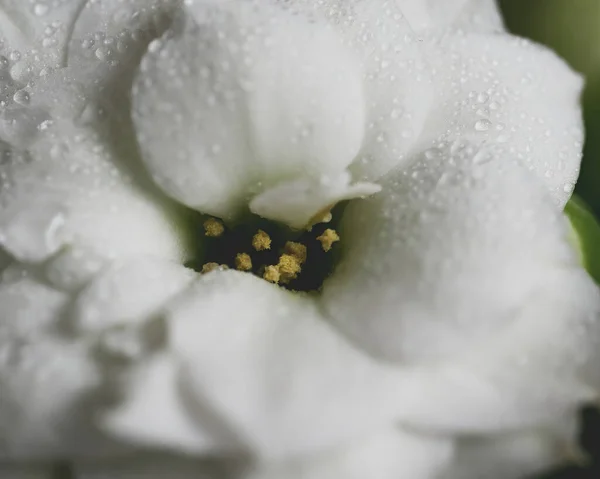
[[587, 235]]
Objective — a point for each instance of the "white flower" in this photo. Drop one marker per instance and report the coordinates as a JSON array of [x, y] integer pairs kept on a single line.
[[457, 335]]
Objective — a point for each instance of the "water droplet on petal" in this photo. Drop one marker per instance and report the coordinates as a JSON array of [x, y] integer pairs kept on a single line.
[[22, 97], [40, 9], [483, 125]]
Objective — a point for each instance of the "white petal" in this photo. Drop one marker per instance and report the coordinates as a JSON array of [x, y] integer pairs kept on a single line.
[[68, 193], [296, 203], [36, 35], [45, 379], [469, 264], [108, 41], [242, 96], [392, 454], [448, 250], [43, 387], [128, 293], [260, 358], [398, 93], [149, 466], [512, 456], [154, 413], [505, 91], [471, 15]]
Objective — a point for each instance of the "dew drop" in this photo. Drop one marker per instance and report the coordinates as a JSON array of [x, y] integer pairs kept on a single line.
[[3, 62], [22, 97], [40, 9], [483, 125], [482, 97]]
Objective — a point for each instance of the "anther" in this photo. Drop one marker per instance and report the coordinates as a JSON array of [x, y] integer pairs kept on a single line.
[[297, 250], [261, 241], [289, 266], [272, 274], [213, 228], [210, 267], [327, 239], [243, 262]]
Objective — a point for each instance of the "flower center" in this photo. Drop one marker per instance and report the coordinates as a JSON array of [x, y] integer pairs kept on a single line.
[[296, 260]]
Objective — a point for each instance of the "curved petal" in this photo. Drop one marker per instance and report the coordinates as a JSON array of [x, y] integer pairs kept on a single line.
[[66, 192], [260, 359], [447, 253], [504, 91], [468, 266], [513, 456], [397, 90], [427, 16], [154, 413], [392, 454], [36, 35], [239, 97], [128, 293]]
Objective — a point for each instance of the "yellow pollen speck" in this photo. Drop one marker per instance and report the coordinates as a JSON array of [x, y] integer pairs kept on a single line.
[[272, 274], [261, 241], [327, 239], [289, 266], [296, 249], [209, 267], [243, 262], [213, 228]]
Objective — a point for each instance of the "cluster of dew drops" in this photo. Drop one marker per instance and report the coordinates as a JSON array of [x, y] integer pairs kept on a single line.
[[96, 46]]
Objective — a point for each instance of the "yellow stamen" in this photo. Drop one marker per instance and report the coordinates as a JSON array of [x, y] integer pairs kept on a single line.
[[272, 274], [289, 266], [327, 239], [296, 249], [261, 241], [213, 228], [243, 262], [210, 267]]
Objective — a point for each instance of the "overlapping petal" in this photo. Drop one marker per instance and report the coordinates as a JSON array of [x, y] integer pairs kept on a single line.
[[508, 92], [44, 378], [390, 454], [261, 360], [465, 260], [243, 95], [432, 16]]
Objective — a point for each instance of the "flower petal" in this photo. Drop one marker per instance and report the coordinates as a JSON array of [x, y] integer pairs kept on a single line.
[[391, 454], [464, 262], [67, 193], [36, 35], [260, 359], [512, 456], [148, 466], [154, 413], [397, 91], [128, 293], [471, 15], [296, 203], [439, 250], [505, 91], [239, 97]]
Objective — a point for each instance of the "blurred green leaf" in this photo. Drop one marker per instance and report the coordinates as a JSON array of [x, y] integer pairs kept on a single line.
[[587, 235]]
